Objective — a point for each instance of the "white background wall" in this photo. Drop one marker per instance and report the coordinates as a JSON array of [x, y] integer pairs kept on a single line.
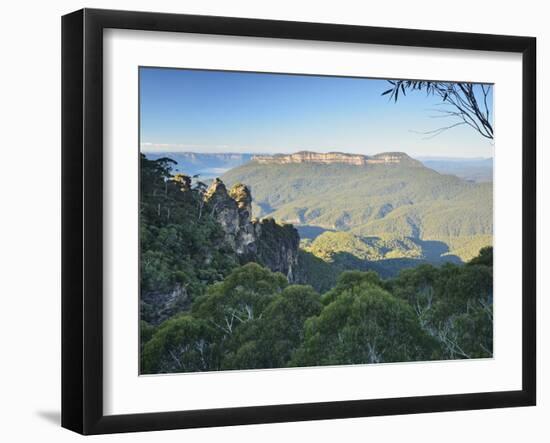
[[30, 219]]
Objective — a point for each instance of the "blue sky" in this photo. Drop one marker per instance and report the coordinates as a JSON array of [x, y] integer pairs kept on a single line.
[[217, 111]]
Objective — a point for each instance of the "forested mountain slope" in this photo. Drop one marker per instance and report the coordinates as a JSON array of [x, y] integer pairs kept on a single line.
[[384, 199]]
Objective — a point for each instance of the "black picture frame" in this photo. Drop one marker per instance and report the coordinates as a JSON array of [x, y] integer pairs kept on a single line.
[[82, 215]]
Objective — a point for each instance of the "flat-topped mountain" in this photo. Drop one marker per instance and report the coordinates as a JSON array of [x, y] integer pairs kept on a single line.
[[393, 157], [388, 196], [336, 157], [212, 165]]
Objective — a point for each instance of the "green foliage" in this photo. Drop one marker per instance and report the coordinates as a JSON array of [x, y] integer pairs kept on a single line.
[[329, 244], [454, 304], [181, 242], [254, 319], [146, 332], [244, 317], [241, 297], [270, 341], [363, 323], [386, 201], [316, 272], [485, 257], [353, 281], [183, 253], [349, 250], [181, 344], [387, 256]]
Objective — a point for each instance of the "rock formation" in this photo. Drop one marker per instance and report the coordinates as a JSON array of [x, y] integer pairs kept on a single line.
[[158, 306], [277, 247], [312, 157], [264, 241], [335, 157], [233, 211]]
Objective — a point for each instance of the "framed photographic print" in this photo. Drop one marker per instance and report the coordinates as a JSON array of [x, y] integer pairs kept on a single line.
[[269, 221]]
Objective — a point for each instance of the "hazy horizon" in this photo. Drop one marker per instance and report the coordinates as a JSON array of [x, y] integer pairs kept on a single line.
[[202, 111], [418, 157]]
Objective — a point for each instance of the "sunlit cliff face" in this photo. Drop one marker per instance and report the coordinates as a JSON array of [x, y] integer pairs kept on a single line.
[[333, 157]]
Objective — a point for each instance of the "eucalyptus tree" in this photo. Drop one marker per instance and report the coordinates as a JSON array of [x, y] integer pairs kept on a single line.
[[464, 103]]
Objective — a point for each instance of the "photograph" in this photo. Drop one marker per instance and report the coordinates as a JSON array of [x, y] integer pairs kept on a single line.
[[246, 222], [302, 220]]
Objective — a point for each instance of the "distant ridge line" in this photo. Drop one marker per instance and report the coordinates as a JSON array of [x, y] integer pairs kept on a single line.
[[335, 157]]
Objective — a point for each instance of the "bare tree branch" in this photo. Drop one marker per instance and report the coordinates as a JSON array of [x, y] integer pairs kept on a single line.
[[468, 102], [436, 132]]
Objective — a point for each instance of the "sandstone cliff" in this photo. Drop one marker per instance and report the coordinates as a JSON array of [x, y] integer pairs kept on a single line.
[[312, 157], [336, 157], [264, 241], [244, 239]]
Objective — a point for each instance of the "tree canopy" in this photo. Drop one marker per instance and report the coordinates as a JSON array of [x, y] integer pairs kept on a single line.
[[363, 323], [220, 314]]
